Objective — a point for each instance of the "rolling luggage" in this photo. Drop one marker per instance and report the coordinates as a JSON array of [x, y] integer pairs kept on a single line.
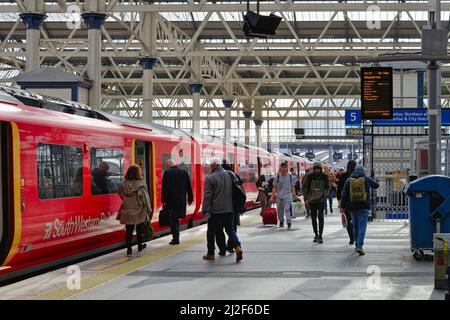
[[269, 216]]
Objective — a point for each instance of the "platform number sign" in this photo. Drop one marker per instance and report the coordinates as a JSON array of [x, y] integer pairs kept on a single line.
[[376, 93]]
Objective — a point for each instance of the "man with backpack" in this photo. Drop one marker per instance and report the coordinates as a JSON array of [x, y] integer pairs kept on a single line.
[[220, 236], [219, 189], [283, 192], [356, 200], [315, 189]]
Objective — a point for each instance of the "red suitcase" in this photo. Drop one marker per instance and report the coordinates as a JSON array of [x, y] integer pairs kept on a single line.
[[269, 216]]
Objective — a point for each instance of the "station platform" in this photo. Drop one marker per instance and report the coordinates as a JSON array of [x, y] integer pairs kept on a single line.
[[278, 264]]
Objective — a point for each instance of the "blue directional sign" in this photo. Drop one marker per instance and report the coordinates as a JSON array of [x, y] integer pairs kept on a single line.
[[402, 117]]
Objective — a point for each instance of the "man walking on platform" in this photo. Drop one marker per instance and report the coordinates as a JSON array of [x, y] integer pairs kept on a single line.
[[176, 185], [315, 189], [356, 200], [283, 193], [351, 165], [218, 207]]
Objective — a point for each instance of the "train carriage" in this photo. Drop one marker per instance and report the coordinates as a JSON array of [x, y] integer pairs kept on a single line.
[[54, 208]]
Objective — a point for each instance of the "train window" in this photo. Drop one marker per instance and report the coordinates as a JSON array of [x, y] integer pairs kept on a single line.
[[185, 163], [207, 168], [243, 172], [60, 171], [230, 160], [251, 172], [165, 157], [106, 170]]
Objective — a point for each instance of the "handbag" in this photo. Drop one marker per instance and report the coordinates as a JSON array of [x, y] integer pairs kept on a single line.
[[165, 217], [148, 233], [343, 219], [298, 210]]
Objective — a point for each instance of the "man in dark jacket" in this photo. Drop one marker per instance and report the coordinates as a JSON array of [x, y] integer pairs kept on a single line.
[[358, 207], [342, 178], [176, 185], [315, 188]]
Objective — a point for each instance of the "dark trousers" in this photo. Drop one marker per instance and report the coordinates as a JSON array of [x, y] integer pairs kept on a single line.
[[317, 210], [349, 225], [129, 234], [221, 221], [175, 228], [220, 235]]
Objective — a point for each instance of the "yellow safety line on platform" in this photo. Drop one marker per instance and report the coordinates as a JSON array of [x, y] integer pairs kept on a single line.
[[121, 270]]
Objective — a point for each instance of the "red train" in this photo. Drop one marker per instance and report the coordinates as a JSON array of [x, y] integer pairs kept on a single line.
[[51, 210]]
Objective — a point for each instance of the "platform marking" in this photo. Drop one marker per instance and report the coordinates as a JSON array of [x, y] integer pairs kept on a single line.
[[126, 268]]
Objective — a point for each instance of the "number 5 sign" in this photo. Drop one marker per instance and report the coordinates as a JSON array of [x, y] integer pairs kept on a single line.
[[353, 117]]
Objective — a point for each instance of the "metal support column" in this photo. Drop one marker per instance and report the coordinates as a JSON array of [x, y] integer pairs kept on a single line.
[[258, 124], [227, 103], [147, 62], [247, 115], [434, 97], [94, 21], [196, 88], [33, 22]]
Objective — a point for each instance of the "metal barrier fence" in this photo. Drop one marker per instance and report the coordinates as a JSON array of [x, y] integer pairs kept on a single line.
[[390, 201]]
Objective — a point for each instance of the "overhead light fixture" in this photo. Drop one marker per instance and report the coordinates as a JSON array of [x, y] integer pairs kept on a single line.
[[259, 26]]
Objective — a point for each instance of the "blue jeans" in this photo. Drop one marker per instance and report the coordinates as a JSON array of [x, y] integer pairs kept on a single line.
[[330, 199], [360, 219], [219, 221], [220, 236]]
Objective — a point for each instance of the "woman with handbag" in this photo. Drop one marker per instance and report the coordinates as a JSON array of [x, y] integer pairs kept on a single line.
[[136, 207]]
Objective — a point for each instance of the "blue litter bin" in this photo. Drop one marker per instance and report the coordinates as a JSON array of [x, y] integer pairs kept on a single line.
[[429, 211]]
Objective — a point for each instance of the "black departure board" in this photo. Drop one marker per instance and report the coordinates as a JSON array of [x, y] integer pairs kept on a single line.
[[376, 93]]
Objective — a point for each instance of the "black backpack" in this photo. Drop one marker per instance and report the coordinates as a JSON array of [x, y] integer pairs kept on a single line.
[[239, 195]]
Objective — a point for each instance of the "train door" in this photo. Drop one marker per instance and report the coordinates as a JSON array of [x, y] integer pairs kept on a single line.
[[5, 190], [143, 157]]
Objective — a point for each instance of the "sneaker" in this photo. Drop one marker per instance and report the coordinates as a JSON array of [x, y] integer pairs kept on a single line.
[[239, 253], [173, 242], [129, 251], [209, 257], [142, 247], [289, 225], [222, 253], [316, 238], [281, 224], [320, 239], [360, 251]]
